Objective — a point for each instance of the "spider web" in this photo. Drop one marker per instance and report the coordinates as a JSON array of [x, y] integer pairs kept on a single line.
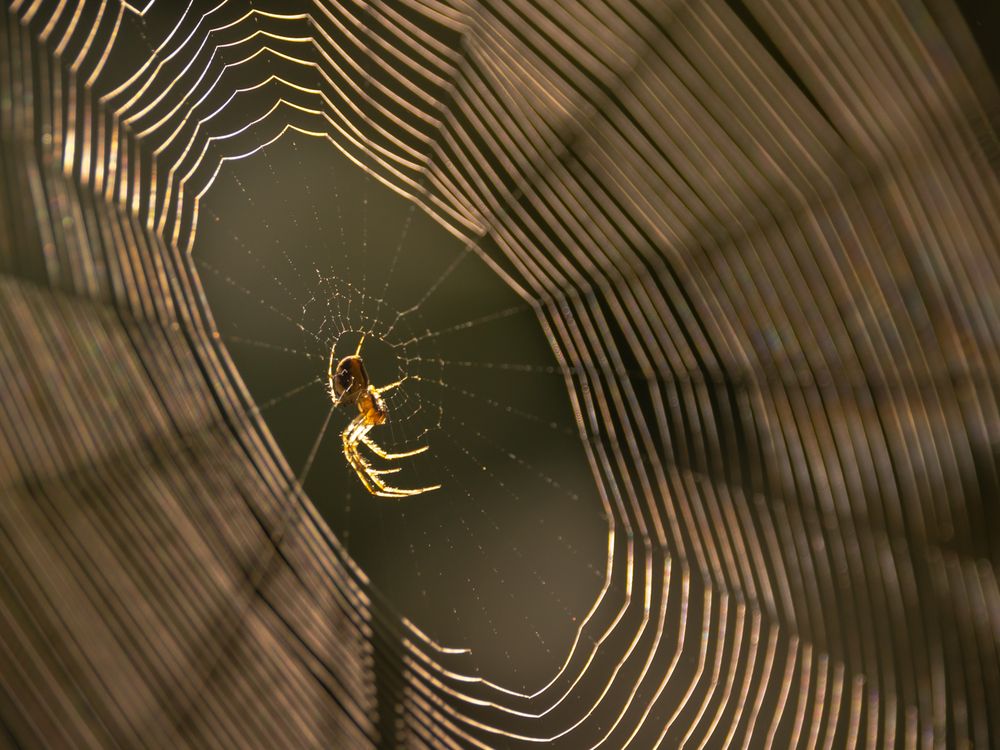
[[313, 283], [697, 307]]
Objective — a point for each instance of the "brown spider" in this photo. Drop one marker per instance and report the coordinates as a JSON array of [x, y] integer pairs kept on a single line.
[[348, 384]]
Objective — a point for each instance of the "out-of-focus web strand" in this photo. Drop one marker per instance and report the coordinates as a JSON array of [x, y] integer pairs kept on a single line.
[[704, 132]]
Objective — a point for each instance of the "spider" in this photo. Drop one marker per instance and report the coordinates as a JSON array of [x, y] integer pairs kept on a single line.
[[349, 384]]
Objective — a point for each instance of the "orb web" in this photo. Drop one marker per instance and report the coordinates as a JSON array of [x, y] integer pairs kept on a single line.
[[699, 304], [290, 280]]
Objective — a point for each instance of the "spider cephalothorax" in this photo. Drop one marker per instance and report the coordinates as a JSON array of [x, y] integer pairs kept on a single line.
[[348, 384]]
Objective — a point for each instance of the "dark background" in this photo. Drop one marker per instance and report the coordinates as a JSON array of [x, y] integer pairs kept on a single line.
[[299, 251]]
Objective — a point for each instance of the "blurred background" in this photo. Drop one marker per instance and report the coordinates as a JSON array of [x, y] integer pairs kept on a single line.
[[697, 307], [300, 253]]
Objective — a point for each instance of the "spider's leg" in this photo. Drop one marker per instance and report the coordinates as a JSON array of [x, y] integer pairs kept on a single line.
[[397, 492], [385, 490], [389, 387], [354, 431], [373, 477], [382, 453], [367, 475], [357, 432]]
